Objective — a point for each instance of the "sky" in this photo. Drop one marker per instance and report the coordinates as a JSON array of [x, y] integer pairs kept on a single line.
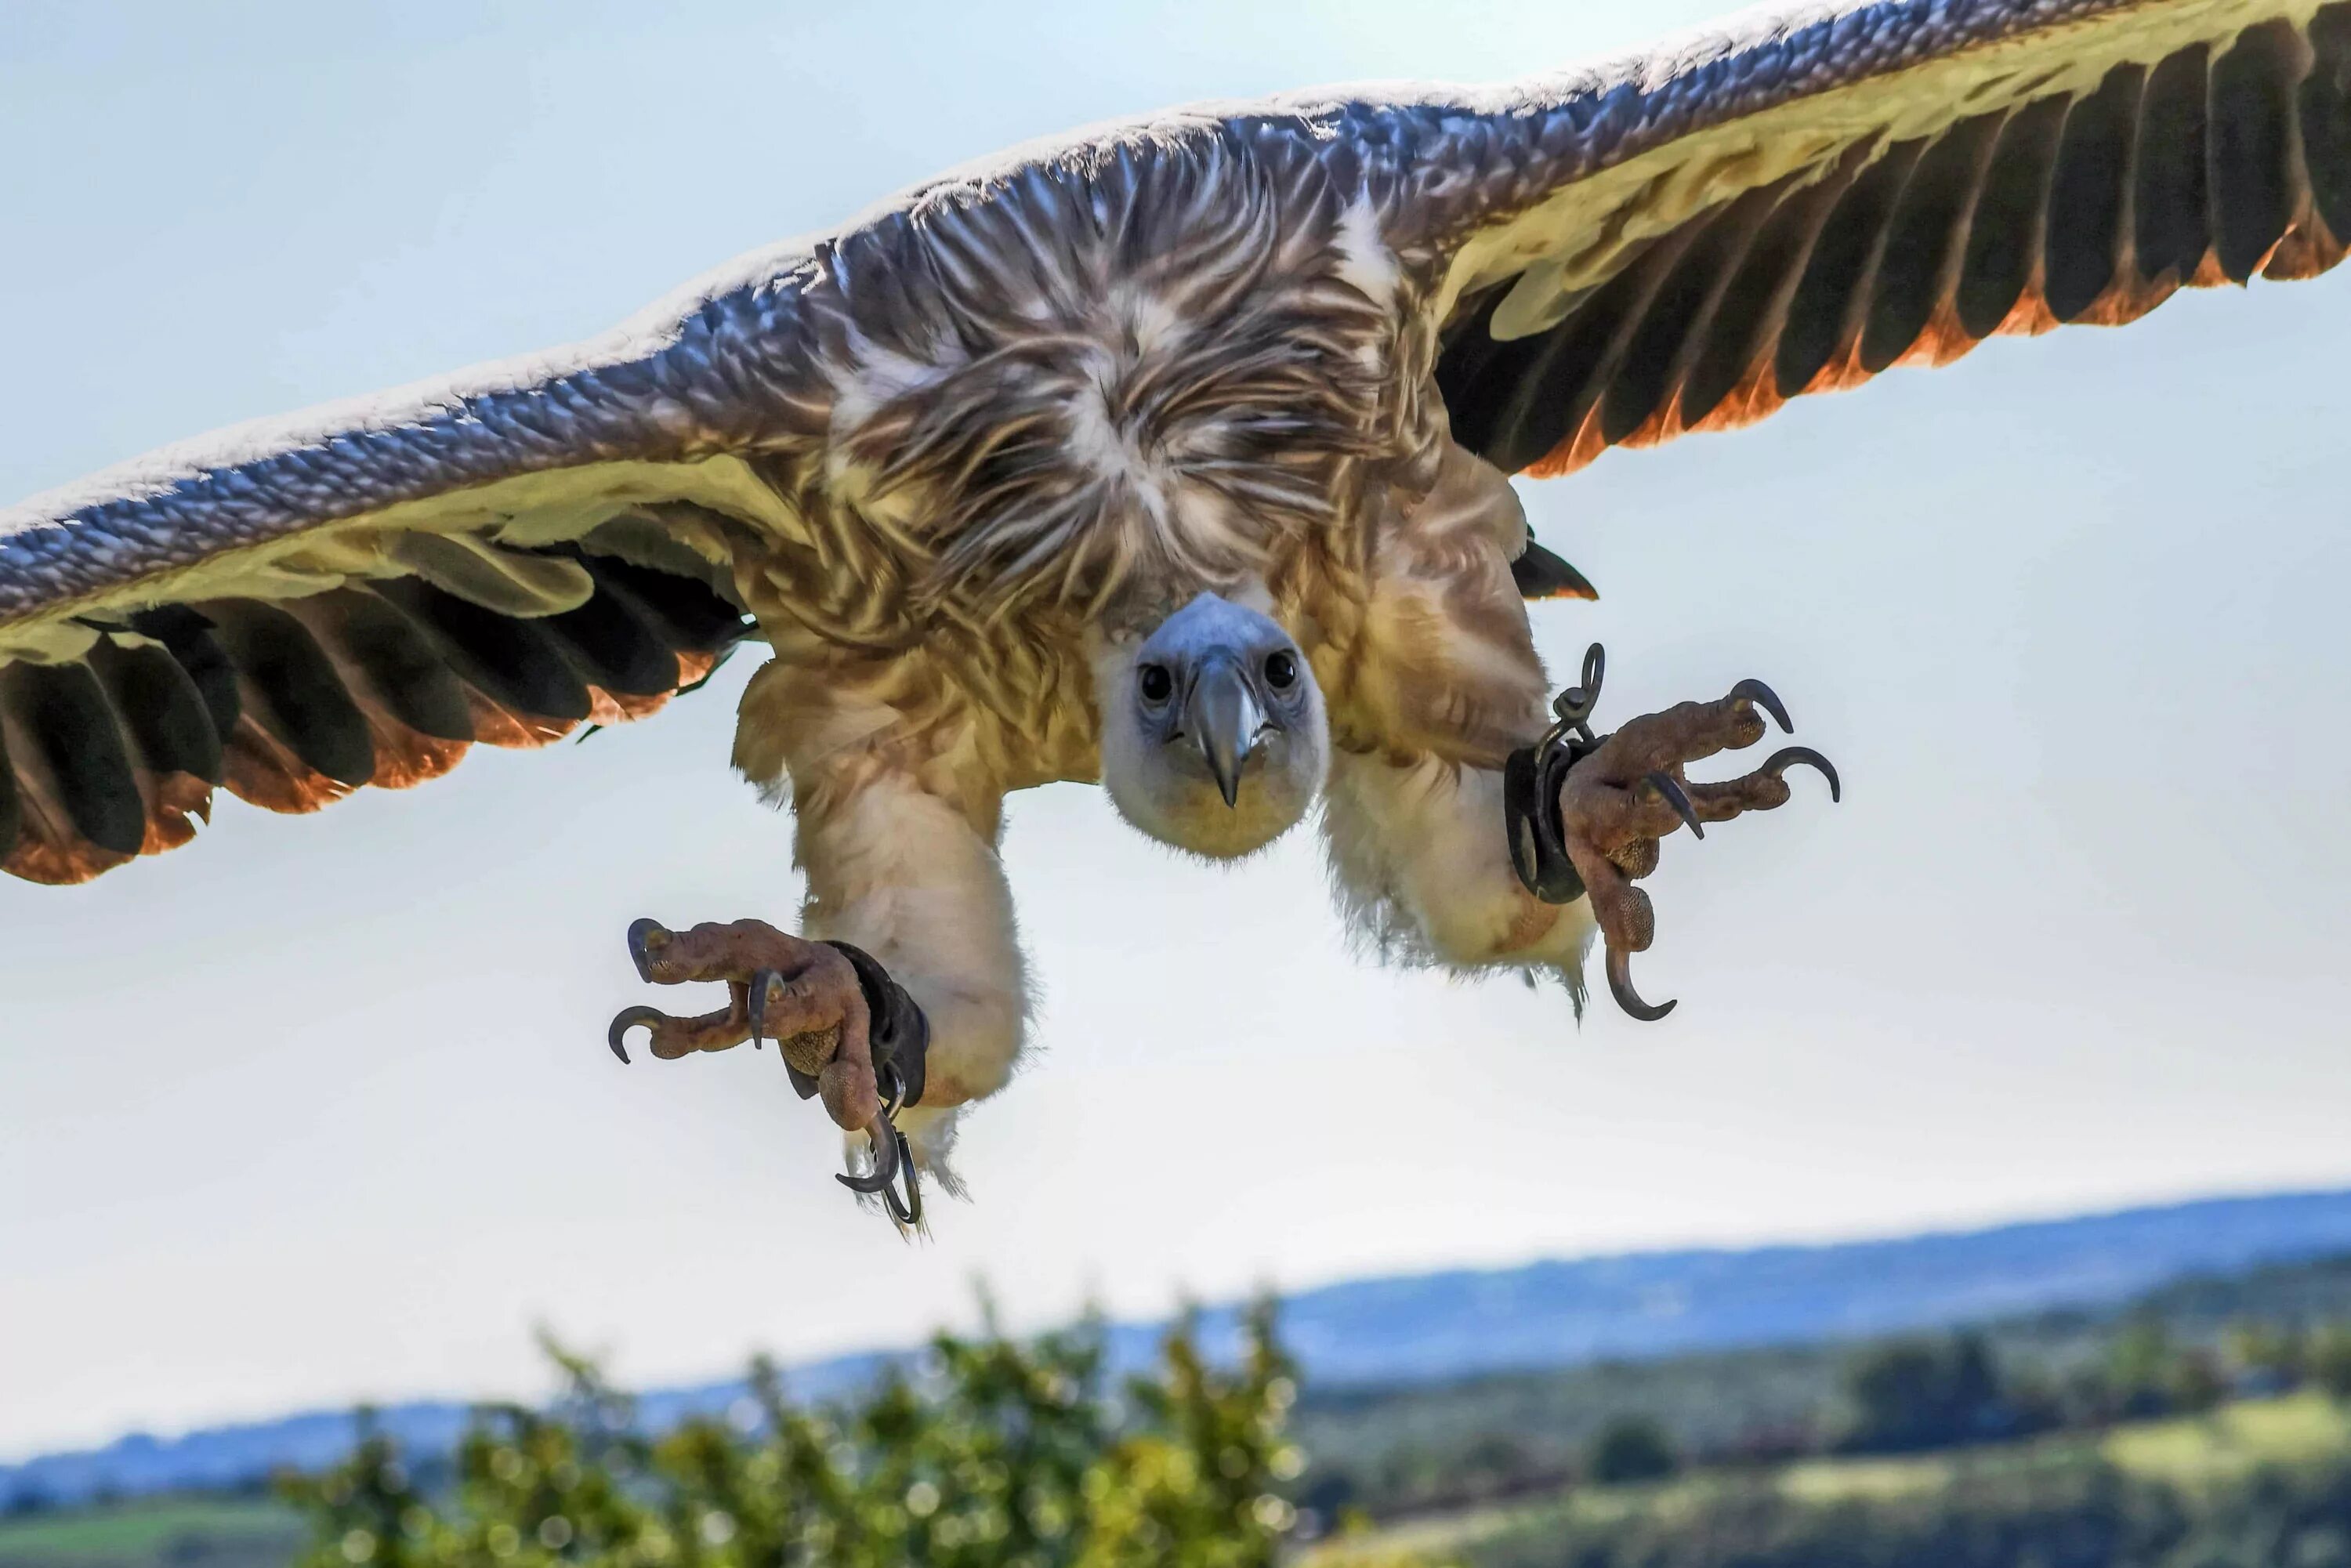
[[318, 1109]]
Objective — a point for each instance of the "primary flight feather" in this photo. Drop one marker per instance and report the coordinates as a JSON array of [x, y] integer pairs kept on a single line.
[[1175, 455]]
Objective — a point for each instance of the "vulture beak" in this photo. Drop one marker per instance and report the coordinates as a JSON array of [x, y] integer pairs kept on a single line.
[[1224, 716]]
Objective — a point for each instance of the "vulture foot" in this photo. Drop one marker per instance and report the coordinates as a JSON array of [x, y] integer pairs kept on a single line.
[[805, 996], [1627, 791]]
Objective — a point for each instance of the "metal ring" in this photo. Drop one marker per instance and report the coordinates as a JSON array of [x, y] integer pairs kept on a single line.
[[1575, 704]]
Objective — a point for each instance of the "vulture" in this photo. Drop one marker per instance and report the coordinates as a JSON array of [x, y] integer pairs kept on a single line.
[[1175, 455]]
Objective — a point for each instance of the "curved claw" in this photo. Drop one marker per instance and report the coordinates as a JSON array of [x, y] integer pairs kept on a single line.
[[884, 1138], [755, 1003], [1665, 784], [646, 937], [1788, 756], [1620, 986], [891, 1157], [627, 1019], [908, 1214], [1766, 699]]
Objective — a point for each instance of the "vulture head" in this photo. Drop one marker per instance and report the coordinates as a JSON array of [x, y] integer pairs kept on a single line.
[[1214, 736]]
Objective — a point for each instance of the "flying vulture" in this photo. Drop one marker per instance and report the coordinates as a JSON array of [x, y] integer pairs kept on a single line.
[[1175, 455]]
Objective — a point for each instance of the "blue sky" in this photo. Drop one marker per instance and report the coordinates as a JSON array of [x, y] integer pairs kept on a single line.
[[320, 1109]]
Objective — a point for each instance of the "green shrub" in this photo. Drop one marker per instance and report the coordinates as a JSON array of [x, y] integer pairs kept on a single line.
[[1630, 1449], [994, 1454]]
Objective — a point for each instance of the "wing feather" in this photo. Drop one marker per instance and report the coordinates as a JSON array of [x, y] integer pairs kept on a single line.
[[1677, 242], [1890, 186], [359, 595]]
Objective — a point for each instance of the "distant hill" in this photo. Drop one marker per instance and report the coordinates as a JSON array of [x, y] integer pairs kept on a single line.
[[1431, 1328]]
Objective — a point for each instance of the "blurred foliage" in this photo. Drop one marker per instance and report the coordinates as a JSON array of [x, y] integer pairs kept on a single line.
[[2328, 1360], [2185, 1347], [1914, 1394], [988, 1451], [1631, 1448], [993, 1453], [2067, 1510]]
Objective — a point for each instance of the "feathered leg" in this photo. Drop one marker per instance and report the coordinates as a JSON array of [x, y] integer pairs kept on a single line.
[[1440, 684], [1423, 871], [1441, 687], [896, 828]]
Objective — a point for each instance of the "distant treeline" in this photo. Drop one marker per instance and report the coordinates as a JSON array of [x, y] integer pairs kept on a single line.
[[994, 1452], [2060, 1515], [2181, 1349], [988, 1452]]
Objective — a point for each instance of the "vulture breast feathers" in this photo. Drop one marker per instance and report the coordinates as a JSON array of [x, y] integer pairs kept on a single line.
[[1093, 376]]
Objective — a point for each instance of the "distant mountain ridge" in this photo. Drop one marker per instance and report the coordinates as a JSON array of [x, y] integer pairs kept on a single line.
[[1432, 1327]]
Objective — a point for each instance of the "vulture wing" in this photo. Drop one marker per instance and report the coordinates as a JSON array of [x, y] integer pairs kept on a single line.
[[1677, 242], [1685, 241], [357, 595]]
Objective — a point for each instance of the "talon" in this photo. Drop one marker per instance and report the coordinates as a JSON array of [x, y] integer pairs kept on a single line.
[[1766, 699], [1620, 986], [754, 1004], [628, 1018], [1788, 756], [885, 1139], [1679, 799], [909, 1213], [905, 1213], [647, 939]]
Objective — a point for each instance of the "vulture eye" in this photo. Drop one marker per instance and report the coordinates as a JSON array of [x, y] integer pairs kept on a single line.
[[1280, 670], [1157, 684]]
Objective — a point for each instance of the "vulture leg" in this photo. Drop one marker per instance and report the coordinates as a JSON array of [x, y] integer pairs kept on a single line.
[[805, 995], [1629, 792], [902, 999], [811, 997], [1442, 698], [1441, 684]]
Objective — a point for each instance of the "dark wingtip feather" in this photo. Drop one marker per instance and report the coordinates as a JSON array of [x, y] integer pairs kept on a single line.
[[1542, 575], [11, 814]]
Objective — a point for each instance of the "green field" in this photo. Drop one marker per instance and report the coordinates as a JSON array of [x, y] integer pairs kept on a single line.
[[2253, 1441], [1426, 1449], [193, 1532]]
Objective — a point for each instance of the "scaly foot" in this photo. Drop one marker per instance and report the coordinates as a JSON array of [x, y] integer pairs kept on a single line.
[[1624, 792], [804, 995]]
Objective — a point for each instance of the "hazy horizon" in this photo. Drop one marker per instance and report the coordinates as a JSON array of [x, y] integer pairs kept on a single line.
[[318, 1109], [733, 1374]]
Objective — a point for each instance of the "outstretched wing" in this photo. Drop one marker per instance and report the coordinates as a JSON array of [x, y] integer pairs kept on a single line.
[[1679, 242], [358, 596], [1685, 241]]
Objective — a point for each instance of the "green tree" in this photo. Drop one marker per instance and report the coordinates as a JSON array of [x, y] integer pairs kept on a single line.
[[1630, 1449], [2140, 1367], [368, 1510], [993, 1453], [1912, 1395], [2329, 1360], [2273, 1354]]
